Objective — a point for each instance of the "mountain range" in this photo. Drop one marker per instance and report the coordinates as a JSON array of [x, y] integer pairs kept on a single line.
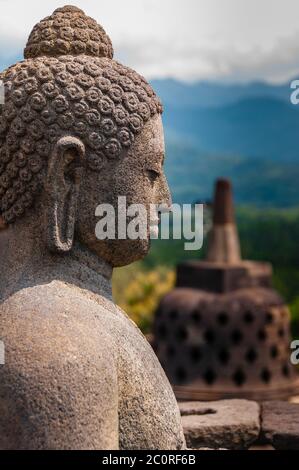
[[246, 132], [209, 93]]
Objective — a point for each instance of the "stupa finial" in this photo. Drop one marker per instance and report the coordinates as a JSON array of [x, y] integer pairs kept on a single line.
[[223, 245]]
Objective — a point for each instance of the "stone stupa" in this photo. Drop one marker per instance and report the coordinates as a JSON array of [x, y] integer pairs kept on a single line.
[[223, 331]]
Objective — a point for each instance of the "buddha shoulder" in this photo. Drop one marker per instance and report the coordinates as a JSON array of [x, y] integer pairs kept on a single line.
[[60, 313]]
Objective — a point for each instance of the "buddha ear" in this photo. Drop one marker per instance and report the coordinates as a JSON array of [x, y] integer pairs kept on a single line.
[[65, 169]]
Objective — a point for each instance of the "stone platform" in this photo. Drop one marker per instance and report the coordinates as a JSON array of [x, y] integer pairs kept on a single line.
[[241, 424]]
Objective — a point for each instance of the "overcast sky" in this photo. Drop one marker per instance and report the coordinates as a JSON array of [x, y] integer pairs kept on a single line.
[[231, 40]]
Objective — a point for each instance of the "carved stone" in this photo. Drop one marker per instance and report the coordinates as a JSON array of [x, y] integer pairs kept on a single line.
[[77, 129], [229, 424], [224, 332], [280, 425]]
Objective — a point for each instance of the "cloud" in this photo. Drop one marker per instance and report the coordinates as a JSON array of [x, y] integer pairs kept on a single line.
[[155, 59], [190, 40]]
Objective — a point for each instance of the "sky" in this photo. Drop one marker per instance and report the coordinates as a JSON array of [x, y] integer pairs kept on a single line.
[[219, 40]]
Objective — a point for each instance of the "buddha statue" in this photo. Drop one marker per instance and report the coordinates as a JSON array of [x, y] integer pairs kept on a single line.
[[77, 129]]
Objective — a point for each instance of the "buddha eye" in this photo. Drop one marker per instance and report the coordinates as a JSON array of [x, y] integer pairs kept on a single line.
[[152, 174]]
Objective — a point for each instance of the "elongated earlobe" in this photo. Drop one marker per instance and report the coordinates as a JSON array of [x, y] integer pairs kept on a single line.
[[66, 165]]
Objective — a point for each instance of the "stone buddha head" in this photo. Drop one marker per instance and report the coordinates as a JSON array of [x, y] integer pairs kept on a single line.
[[78, 129]]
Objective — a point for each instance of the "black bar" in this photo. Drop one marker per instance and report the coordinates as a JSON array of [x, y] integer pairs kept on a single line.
[[138, 459]]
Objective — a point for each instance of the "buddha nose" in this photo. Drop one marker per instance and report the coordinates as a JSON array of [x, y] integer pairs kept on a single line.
[[163, 193]]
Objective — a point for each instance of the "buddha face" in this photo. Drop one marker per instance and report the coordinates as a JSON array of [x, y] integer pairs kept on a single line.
[[138, 177], [79, 130]]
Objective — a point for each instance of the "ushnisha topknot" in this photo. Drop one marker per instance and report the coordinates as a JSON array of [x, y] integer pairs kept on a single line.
[[68, 31], [68, 85]]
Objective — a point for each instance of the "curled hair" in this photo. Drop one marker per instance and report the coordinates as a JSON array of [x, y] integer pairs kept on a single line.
[[87, 95]]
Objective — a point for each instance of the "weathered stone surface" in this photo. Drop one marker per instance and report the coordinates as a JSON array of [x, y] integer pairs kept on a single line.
[[77, 129], [294, 399], [261, 447], [280, 424], [208, 448], [231, 424]]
